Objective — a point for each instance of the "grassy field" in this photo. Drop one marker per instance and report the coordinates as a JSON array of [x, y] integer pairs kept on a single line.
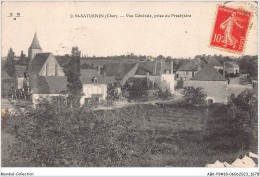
[[173, 135]]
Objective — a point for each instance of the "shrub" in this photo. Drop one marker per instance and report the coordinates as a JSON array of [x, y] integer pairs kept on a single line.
[[164, 94], [194, 95]]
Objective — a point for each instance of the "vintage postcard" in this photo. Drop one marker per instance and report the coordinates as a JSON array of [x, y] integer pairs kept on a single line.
[[129, 84]]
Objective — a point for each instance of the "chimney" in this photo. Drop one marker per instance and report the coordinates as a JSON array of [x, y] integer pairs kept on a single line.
[[171, 69], [224, 69], [154, 67], [98, 69]]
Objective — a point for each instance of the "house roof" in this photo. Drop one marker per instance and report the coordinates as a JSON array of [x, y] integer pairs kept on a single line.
[[188, 66], [37, 63], [118, 70], [35, 43], [20, 70], [49, 84], [62, 60], [212, 61], [208, 73], [87, 76], [231, 65], [148, 67]]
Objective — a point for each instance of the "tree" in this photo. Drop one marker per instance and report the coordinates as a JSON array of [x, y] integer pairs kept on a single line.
[[72, 70], [23, 60], [138, 90], [236, 122], [164, 94], [160, 57], [10, 69], [194, 95]]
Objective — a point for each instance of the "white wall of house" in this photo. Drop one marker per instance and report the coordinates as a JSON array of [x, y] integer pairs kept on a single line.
[[167, 82], [51, 68], [19, 83], [185, 75], [89, 89], [219, 67], [215, 90], [232, 70]]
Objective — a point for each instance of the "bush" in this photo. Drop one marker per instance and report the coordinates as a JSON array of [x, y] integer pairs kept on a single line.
[[194, 95], [164, 94], [235, 122]]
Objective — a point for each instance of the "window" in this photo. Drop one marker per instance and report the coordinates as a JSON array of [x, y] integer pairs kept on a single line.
[[187, 72], [177, 75], [192, 73], [95, 80]]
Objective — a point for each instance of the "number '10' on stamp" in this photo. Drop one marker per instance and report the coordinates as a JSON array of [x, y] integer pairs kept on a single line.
[[230, 29]]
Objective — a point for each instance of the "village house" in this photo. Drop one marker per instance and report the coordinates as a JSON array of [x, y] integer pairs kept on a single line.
[[213, 62], [158, 73], [94, 86], [213, 83], [231, 67], [118, 73]]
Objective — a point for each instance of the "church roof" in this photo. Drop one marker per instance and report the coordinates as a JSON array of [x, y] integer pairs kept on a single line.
[[49, 84], [37, 63], [35, 43], [208, 73]]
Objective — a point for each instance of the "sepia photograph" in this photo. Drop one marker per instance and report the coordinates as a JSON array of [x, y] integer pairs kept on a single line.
[[129, 84]]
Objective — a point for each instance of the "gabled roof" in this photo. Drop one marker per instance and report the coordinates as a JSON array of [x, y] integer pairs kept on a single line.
[[188, 66], [148, 67], [208, 73], [212, 61], [20, 70], [49, 84], [35, 43], [37, 63], [88, 75], [62, 60], [118, 70]]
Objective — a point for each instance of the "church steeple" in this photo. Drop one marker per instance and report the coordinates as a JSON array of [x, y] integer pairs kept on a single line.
[[35, 47]]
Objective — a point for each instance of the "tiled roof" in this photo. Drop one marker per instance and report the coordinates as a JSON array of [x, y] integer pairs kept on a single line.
[[148, 67], [87, 76], [49, 84], [35, 43], [118, 70], [213, 62], [37, 63], [188, 66], [208, 73], [231, 65], [62, 60], [19, 70]]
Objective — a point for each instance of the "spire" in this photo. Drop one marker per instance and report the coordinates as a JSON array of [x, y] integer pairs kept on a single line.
[[35, 43]]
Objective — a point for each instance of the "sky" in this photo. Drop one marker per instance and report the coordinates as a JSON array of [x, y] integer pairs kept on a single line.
[[175, 37]]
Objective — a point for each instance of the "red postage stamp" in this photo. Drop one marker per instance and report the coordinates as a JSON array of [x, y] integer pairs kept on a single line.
[[230, 29]]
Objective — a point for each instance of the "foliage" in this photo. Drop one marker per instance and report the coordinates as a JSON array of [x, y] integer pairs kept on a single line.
[[72, 71], [136, 136], [248, 65], [138, 90], [112, 93], [10, 69], [23, 60], [236, 122], [164, 94], [194, 95]]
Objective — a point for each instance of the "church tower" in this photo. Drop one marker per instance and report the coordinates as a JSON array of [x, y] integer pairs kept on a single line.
[[34, 48]]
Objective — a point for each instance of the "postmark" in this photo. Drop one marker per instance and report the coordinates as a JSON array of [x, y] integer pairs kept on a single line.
[[230, 30]]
